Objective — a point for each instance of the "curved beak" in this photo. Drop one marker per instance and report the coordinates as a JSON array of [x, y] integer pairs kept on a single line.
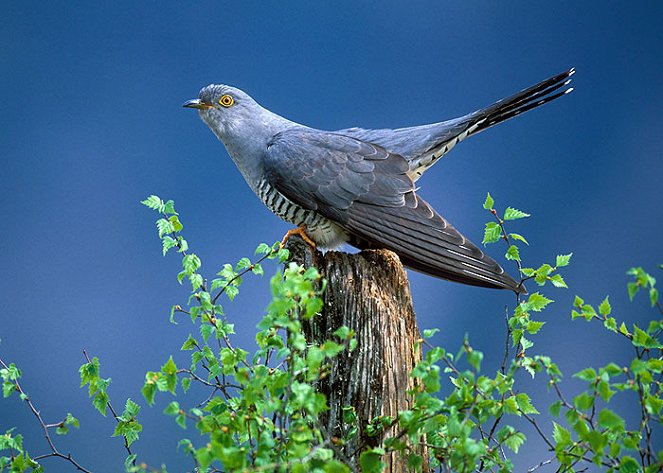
[[197, 103]]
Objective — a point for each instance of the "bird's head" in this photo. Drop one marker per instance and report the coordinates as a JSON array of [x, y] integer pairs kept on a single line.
[[224, 108]]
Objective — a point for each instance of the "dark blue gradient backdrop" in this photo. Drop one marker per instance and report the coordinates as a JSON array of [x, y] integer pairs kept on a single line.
[[91, 123]]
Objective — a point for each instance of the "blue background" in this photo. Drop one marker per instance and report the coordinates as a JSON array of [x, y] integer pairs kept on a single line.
[[91, 123]]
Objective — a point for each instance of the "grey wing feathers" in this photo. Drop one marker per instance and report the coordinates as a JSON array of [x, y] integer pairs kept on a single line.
[[423, 145], [320, 170], [367, 191], [426, 242]]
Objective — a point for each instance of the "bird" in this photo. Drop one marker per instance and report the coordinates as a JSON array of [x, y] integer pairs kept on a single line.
[[358, 186]]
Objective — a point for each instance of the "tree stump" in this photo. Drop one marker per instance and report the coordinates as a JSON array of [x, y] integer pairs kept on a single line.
[[369, 293]]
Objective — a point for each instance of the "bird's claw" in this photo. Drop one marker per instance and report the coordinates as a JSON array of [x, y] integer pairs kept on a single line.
[[301, 231]]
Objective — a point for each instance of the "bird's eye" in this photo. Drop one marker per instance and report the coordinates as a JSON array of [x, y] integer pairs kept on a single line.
[[226, 101]]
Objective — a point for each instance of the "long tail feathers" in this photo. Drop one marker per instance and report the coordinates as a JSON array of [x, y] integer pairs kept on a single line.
[[449, 133], [525, 100]]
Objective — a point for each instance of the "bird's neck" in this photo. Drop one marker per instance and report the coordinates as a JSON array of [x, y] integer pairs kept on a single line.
[[247, 153]]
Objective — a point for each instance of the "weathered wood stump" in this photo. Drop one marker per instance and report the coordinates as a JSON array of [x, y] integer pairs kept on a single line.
[[369, 293]]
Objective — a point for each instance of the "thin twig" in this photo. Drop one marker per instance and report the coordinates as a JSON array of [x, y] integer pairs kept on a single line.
[[54, 450], [115, 416]]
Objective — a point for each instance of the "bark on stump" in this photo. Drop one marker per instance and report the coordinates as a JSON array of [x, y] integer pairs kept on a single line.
[[369, 293]]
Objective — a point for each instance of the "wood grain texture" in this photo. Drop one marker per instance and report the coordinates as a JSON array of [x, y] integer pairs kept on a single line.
[[368, 292]]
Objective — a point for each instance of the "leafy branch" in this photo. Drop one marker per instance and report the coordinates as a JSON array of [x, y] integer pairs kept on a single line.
[[19, 459]]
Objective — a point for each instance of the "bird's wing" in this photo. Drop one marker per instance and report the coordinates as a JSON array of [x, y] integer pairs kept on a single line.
[[367, 191], [423, 145]]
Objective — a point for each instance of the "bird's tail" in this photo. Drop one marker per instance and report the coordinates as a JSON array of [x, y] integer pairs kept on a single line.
[[444, 136], [525, 100]]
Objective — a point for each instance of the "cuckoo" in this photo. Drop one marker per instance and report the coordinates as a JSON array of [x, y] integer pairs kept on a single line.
[[357, 185]]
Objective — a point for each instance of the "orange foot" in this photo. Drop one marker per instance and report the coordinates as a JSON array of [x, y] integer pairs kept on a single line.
[[301, 231]]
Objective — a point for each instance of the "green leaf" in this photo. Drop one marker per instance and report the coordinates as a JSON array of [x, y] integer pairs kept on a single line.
[[129, 461], [561, 436], [149, 389], [130, 409], [653, 296], [164, 226], [191, 263], [172, 409], [653, 405], [177, 225], [169, 207], [628, 464], [518, 237], [169, 367], [611, 324], [243, 263], [604, 307], [512, 253], [428, 333], [609, 420], [511, 406], [597, 441], [489, 202], [154, 202], [189, 344], [513, 214], [603, 389], [263, 249], [558, 281], [563, 260], [542, 273], [89, 372], [257, 269], [643, 339], [583, 401], [623, 330], [474, 358], [370, 460], [167, 243], [537, 302], [71, 420], [129, 429], [331, 349], [525, 404], [514, 441], [100, 402], [232, 291], [528, 271], [8, 388], [588, 374], [632, 289], [526, 344], [492, 233], [534, 326], [555, 408]]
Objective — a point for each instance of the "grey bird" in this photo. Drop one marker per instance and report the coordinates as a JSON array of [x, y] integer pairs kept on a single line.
[[358, 185]]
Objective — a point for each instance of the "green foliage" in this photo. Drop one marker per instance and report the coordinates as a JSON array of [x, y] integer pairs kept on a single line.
[[10, 376], [17, 458], [13, 455], [63, 427], [644, 281], [266, 410], [97, 385], [127, 425], [262, 410]]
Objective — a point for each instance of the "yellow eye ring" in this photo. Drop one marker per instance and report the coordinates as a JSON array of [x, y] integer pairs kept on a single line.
[[226, 101]]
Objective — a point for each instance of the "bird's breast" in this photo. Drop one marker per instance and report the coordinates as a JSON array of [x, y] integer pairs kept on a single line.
[[324, 232]]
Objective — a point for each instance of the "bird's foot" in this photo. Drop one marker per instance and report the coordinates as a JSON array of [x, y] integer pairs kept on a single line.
[[301, 231]]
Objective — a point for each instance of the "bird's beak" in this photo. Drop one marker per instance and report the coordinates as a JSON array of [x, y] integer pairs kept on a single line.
[[197, 103]]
